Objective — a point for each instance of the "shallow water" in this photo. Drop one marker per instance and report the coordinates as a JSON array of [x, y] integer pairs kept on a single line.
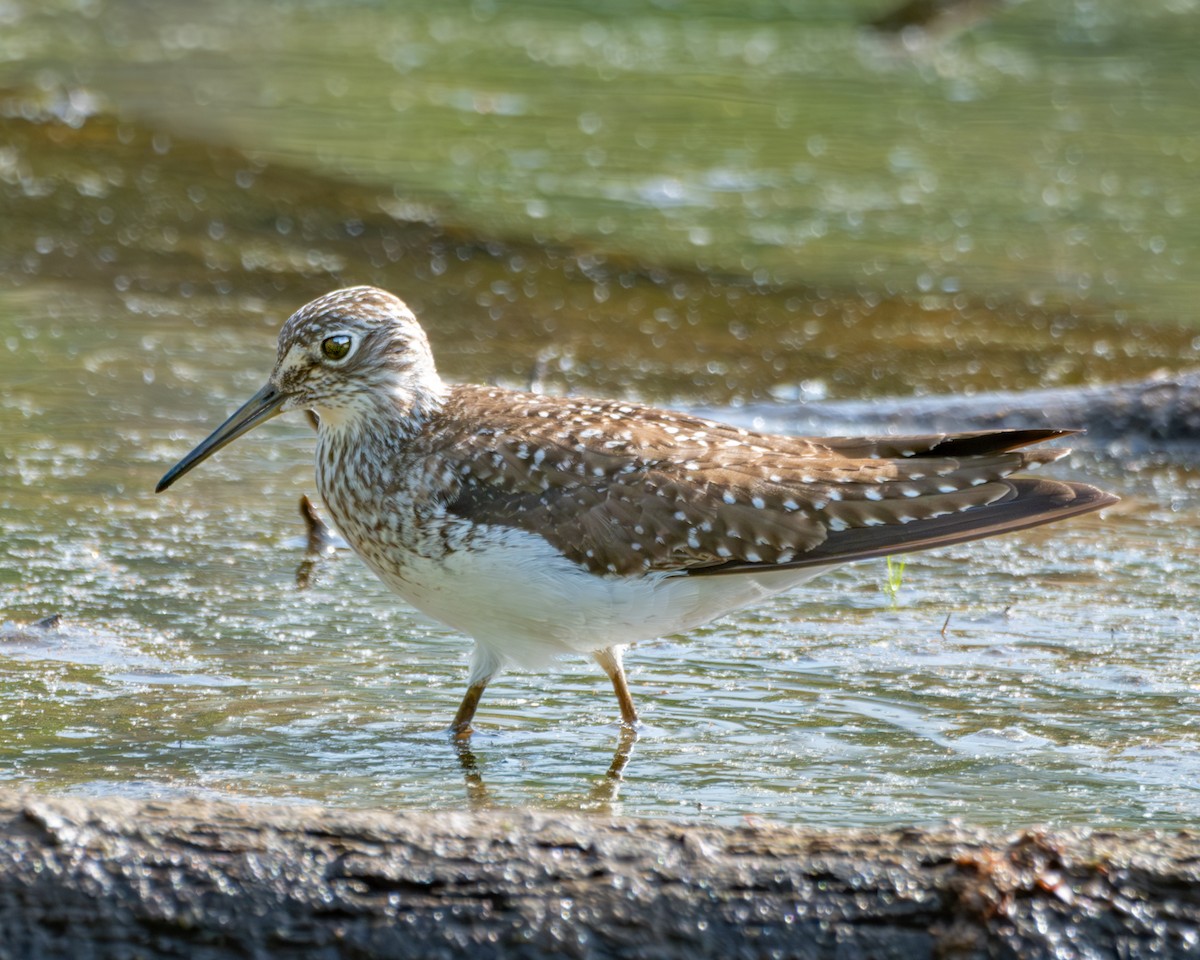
[[1051, 676], [1062, 687]]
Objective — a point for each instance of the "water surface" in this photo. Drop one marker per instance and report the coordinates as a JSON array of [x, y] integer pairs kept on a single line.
[[709, 209], [1047, 676]]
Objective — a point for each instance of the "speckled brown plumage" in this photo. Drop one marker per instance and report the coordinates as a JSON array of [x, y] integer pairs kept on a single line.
[[541, 525], [625, 489]]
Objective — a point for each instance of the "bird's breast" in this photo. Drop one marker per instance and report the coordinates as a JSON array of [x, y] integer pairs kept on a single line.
[[384, 503]]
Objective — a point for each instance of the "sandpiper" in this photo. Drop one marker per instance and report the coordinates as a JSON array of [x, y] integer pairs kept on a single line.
[[548, 525]]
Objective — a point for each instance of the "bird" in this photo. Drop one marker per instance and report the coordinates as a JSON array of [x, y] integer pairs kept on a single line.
[[549, 525]]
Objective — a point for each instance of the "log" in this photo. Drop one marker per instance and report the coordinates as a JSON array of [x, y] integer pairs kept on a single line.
[[200, 879]]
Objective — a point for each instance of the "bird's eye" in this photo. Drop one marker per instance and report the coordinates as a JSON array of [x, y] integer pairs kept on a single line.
[[336, 347]]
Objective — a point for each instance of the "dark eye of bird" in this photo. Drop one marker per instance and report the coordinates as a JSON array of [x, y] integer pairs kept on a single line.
[[336, 347]]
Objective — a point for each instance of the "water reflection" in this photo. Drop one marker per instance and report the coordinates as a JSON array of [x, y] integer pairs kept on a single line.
[[601, 798]]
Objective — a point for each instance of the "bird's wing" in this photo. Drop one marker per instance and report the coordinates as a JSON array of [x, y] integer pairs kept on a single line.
[[623, 489]]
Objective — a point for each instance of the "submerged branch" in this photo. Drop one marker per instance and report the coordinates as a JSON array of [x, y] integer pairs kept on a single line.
[[1159, 412]]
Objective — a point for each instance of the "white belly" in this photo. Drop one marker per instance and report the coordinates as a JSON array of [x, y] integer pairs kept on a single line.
[[525, 603]]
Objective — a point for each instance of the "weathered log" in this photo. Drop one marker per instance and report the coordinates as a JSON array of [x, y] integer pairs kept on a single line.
[[197, 879], [1157, 413]]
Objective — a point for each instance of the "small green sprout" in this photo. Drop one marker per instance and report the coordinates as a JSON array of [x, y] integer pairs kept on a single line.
[[895, 576]]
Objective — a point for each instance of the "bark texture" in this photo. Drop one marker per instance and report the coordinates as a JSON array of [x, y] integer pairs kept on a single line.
[[119, 878]]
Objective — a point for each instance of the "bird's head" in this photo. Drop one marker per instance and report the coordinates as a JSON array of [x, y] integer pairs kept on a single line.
[[346, 354]]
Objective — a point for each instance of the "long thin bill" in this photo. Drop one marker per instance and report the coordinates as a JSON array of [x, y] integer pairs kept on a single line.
[[258, 409]]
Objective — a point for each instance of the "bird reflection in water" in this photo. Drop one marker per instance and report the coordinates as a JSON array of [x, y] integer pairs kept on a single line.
[[601, 798]]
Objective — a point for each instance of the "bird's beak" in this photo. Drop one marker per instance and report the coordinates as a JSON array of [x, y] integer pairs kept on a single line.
[[258, 409]]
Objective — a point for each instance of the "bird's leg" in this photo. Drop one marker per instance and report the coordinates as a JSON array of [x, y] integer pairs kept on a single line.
[[321, 543], [610, 660], [461, 727], [484, 666]]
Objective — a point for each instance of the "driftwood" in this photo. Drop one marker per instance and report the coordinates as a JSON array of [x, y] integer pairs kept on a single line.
[[119, 878], [1159, 413]]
